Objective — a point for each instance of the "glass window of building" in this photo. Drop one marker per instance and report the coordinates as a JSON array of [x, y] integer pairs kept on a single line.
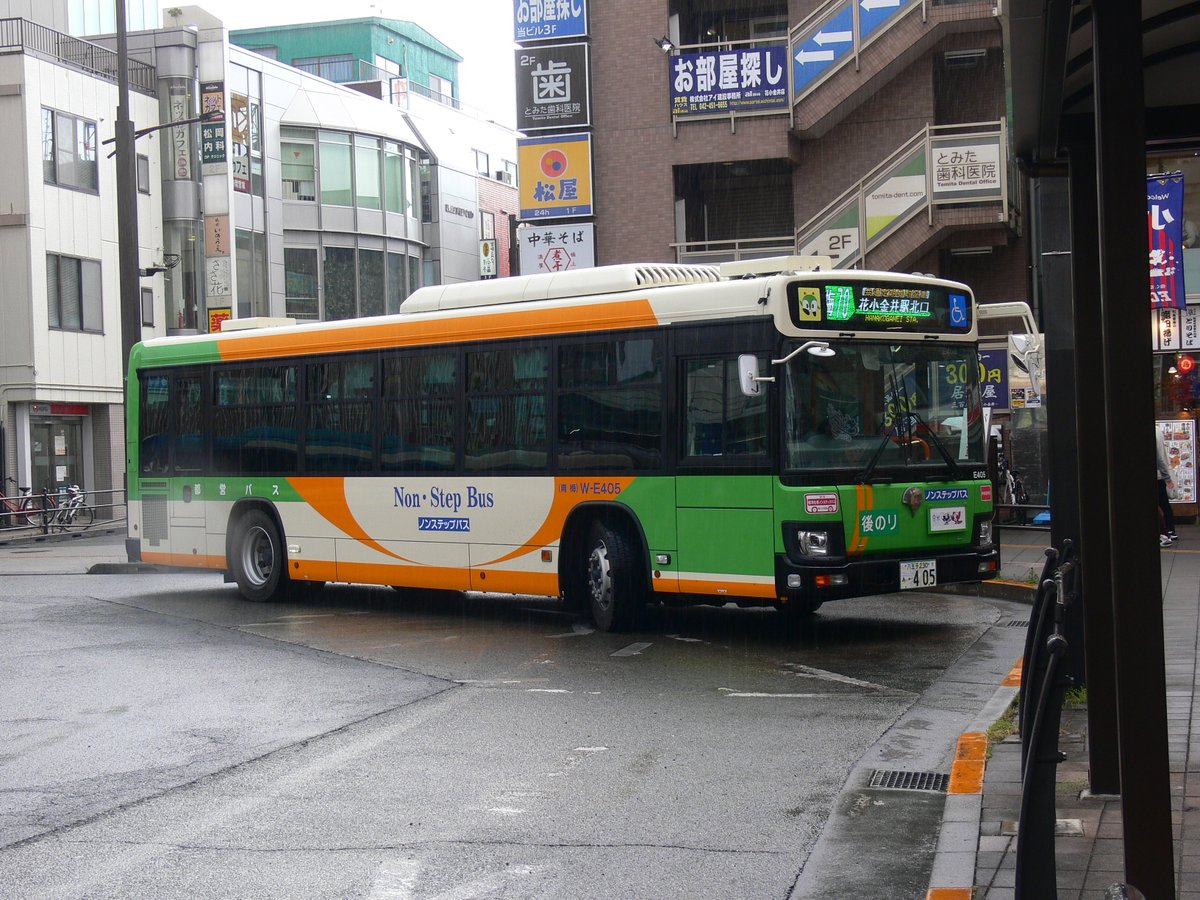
[[370, 282], [397, 281], [367, 172], [297, 164], [442, 89], [340, 279], [393, 177], [73, 293], [481, 164], [337, 183], [147, 306], [301, 298], [69, 151], [143, 174], [339, 67], [252, 296]]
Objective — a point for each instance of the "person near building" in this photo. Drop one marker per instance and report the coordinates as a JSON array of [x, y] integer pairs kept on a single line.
[[1166, 518]]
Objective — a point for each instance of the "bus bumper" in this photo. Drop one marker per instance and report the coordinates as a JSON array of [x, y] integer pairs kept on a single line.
[[865, 577]]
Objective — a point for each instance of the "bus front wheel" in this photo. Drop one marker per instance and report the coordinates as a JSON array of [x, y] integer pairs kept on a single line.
[[613, 589], [256, 557]]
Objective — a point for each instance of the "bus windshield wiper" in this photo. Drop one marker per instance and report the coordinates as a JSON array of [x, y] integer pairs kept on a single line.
[[864, 477], [955, 474]]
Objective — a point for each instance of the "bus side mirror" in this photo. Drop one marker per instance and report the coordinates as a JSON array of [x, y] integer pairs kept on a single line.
[[751, 382]]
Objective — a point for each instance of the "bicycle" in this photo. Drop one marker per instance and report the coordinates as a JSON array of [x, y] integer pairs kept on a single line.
[[19, 511], [73, 511]]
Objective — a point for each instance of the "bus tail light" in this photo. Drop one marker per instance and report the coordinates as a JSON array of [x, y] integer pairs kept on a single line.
[[987, 567]]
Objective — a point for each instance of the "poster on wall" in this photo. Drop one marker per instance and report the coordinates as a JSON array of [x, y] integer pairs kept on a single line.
[[736, 80], [1179, 440], [1164, 227], [556, 248]]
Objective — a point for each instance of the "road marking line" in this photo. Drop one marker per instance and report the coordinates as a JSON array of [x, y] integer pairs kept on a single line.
[[633, 649], [825, 675], [730, 692], [547, 691], [395, 879]]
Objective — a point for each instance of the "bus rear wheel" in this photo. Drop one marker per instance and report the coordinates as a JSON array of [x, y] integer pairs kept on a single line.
[[613, 588], [256, 558]]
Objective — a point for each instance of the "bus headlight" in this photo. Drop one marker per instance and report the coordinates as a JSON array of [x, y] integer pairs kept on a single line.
[[813, 543]]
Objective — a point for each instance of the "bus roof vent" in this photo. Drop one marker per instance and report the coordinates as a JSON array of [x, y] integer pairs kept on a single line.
[[247, 322], [773, 265], [557, 285]]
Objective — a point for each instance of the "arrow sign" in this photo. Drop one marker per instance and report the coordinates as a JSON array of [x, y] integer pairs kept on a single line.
[[878, 13], [814, 56], [811, 58], [834, 37]]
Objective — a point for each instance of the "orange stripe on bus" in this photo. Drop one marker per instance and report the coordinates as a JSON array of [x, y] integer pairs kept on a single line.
[[551, 529], [469, 326], [729, 588], [950, 893], [435, 577], [502, 581], [184, 560], [328, 497], [966, 775]]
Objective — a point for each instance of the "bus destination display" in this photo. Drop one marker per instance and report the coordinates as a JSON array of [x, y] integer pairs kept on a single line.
[[867, 306]]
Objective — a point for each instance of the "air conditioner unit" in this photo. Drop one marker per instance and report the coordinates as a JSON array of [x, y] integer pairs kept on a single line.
[[506, 177]]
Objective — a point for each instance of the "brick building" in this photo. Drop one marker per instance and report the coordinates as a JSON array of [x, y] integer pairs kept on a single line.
[[849, 160]]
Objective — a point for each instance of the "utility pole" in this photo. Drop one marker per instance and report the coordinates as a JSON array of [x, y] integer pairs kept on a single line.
[[127, 223]]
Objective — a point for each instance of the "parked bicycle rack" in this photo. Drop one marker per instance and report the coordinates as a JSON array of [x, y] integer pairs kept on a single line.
[[46, 513], [1043, 691]]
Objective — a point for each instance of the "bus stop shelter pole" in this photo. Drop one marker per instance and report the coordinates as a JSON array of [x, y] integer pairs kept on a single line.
[[1119, 101]]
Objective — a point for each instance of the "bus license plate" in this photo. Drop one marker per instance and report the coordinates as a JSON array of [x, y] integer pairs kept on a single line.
[[918, 573]]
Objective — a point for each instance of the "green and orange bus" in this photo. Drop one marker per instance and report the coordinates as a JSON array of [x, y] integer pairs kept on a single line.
[[765, 433]]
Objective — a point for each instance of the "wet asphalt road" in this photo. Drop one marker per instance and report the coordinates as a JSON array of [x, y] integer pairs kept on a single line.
[[164, 738]]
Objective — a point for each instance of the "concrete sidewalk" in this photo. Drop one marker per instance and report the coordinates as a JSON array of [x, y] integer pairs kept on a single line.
[[1089, 857]]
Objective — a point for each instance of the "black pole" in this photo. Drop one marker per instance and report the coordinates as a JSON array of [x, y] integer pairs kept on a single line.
[[1091, 458], [127, 224], [1119, 101]]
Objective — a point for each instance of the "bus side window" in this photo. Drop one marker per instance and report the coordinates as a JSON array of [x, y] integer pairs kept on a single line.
[[719, 419]]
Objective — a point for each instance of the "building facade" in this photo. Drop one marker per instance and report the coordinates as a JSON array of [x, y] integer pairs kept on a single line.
[[756, 129], [263, 191], [61, 372]]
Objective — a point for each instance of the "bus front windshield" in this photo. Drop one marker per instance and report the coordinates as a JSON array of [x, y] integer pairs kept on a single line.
[[875, 407]]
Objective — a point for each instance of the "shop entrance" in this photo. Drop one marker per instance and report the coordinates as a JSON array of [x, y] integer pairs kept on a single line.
[[57, 453]]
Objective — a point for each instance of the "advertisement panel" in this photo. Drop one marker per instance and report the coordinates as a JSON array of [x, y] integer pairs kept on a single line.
[[181, 136], [555, 176], [552, 87], [742, 81], [556, 248], [1179, 440], [239, 142], [1164, 226], [539, 20], [889, 201]]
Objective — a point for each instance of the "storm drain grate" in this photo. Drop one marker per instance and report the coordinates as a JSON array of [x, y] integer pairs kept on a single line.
[[1018, 624], [909, 781]]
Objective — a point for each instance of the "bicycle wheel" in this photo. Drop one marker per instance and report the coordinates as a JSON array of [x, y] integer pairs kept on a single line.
[[82, 517], [33, 514]]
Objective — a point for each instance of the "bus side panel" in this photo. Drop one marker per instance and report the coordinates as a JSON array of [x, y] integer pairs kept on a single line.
[[652, 500], [726, 535]]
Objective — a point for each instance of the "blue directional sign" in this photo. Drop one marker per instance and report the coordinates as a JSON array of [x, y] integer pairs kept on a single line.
[[872, 14], [824, 48]]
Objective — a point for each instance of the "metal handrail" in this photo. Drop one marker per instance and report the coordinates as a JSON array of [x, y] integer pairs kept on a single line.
[[30, 37], [732, 250], [926, 140], [1043, 691]]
